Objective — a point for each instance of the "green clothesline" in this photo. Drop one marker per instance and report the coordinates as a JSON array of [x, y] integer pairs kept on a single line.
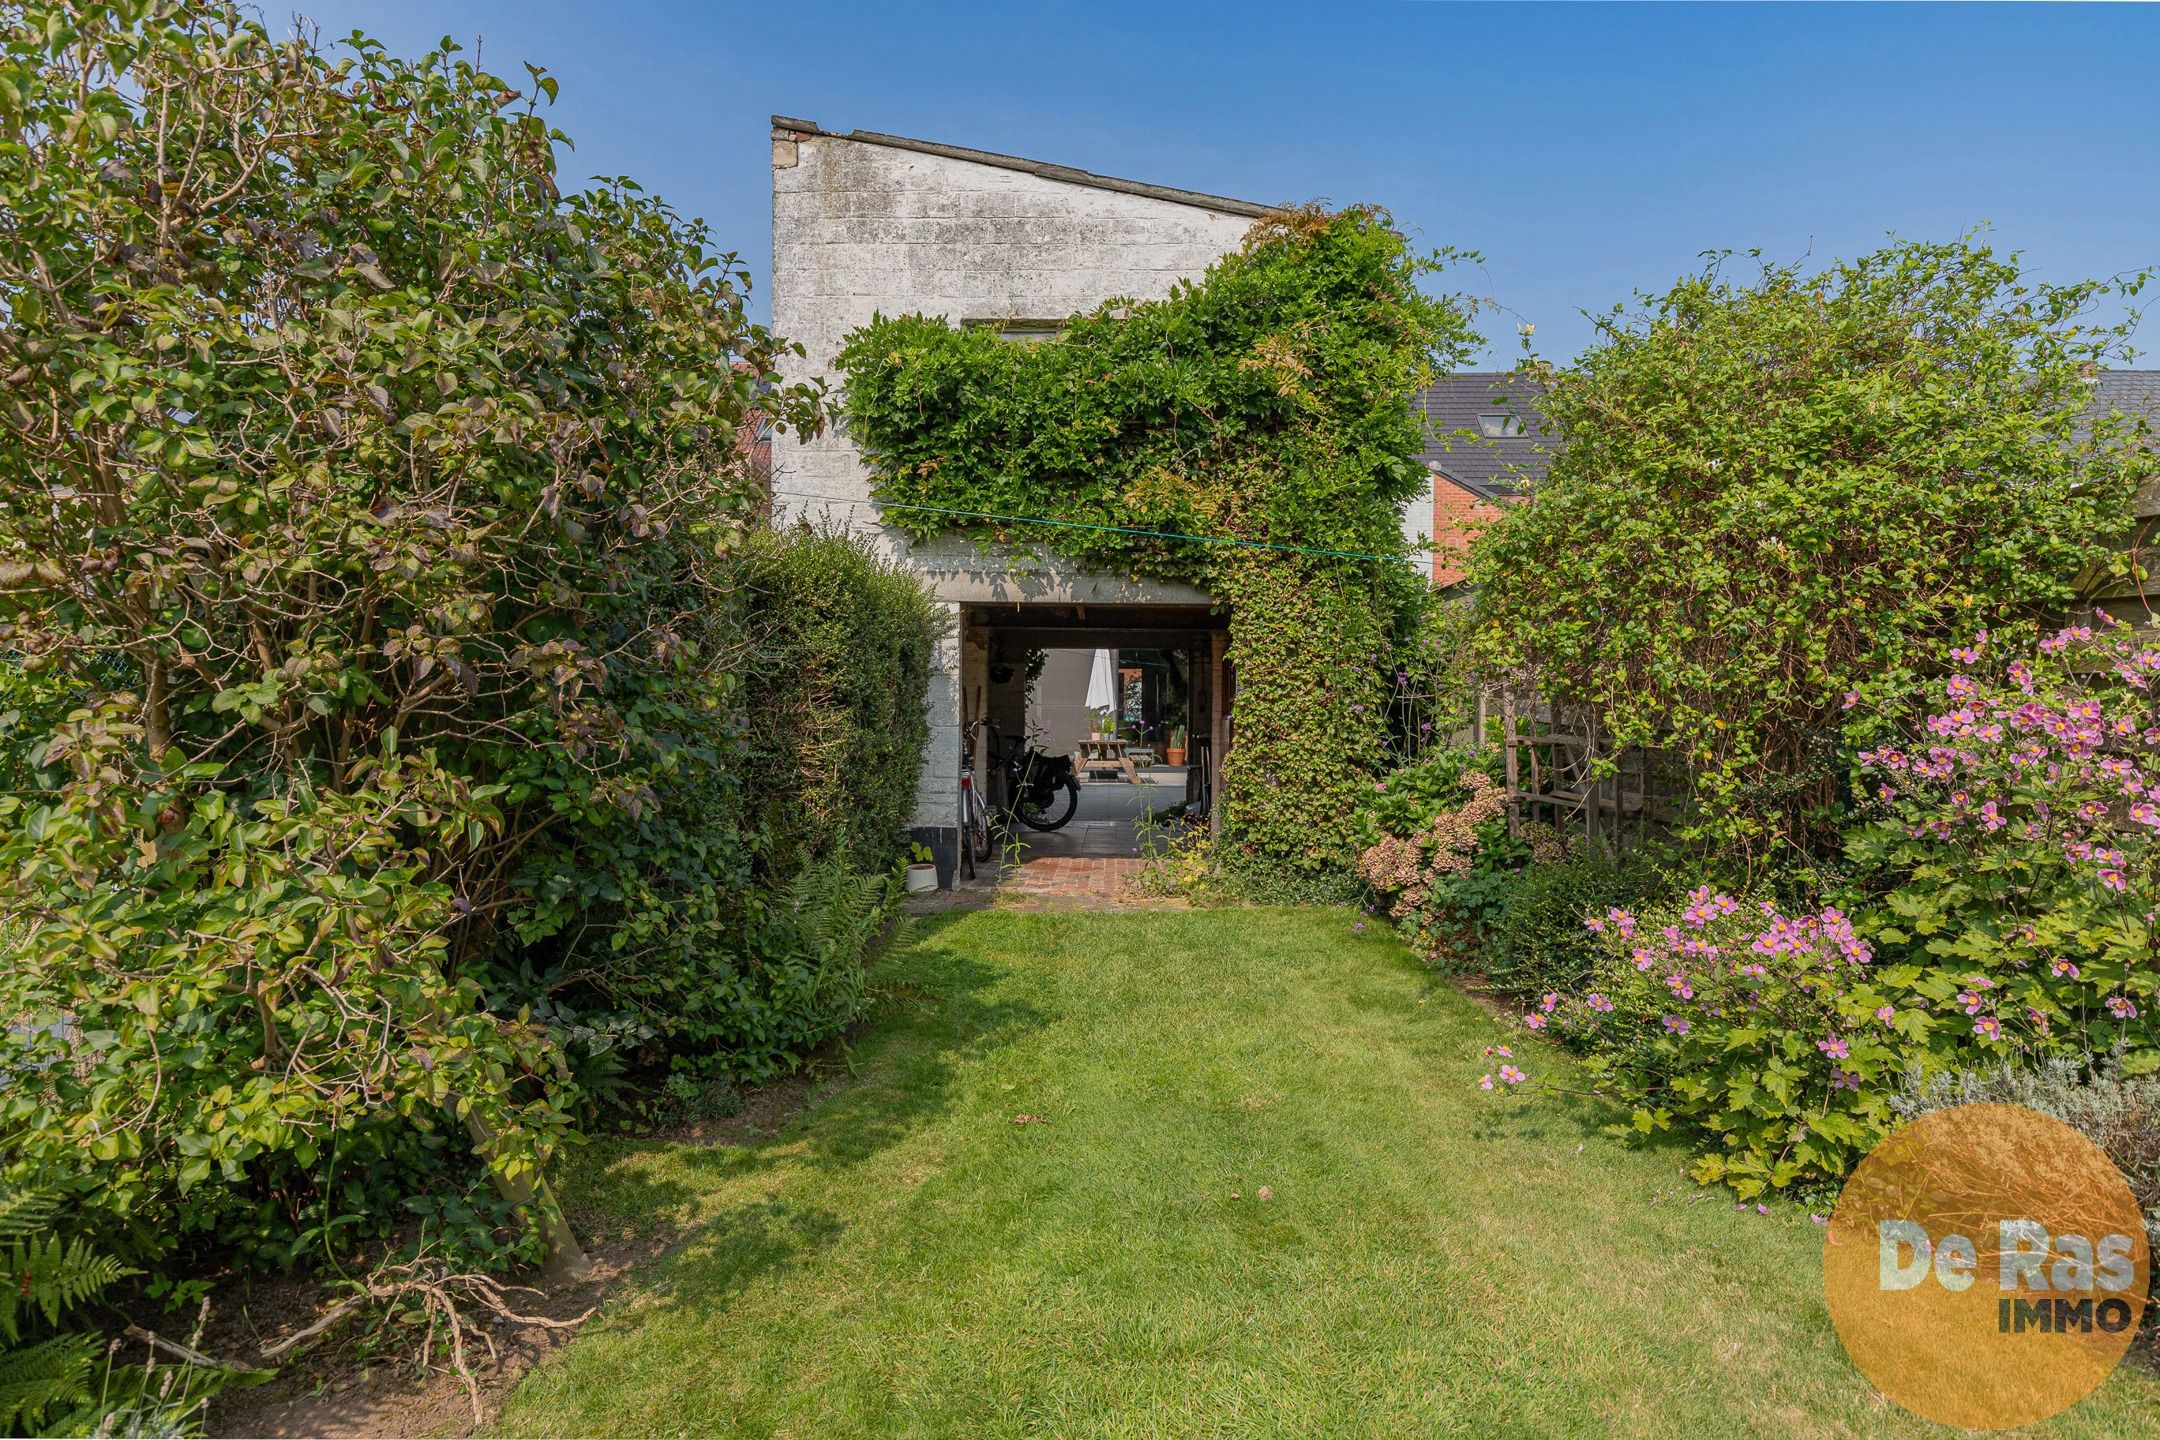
[[1129, 530]]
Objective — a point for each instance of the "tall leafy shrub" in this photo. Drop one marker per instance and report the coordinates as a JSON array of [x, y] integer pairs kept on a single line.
[[1780, 490], [366, 494], [834, 717], [722, 926]]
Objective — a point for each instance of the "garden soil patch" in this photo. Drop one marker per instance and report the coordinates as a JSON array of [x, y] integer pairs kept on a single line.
[[333, 1391]]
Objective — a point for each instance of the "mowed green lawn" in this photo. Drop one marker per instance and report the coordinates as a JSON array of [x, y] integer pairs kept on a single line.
[[907, 1260]]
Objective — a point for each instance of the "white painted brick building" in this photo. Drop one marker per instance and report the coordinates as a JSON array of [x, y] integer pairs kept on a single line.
[[869, 224]]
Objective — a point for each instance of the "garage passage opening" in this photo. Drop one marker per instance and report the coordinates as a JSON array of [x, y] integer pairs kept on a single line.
[[1124, 707]]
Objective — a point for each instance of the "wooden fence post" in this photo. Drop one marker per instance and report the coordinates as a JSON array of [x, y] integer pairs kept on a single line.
[[1507, 733]]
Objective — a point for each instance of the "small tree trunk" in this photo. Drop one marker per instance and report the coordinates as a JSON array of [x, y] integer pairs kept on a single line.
[[157, 721], [562, 1259]]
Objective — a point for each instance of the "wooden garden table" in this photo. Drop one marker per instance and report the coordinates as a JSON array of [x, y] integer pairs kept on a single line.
[[1096, 754]]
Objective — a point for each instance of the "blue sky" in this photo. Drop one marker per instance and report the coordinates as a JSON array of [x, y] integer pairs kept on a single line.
[[1586, 151]]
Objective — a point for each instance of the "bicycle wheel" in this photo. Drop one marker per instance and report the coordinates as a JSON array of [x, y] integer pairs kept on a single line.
[[1038, 812], [974, 834]]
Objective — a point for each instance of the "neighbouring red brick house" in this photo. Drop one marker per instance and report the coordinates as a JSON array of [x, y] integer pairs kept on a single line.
[[1489, 447]]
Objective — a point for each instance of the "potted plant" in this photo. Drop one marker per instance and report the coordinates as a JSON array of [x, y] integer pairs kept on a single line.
[[921, 870], [1174, 752], [1105, 723]]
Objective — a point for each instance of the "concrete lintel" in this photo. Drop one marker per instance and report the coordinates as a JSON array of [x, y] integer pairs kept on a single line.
[[957, 571]]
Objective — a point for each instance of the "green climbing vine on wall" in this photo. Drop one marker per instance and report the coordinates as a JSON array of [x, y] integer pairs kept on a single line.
[[1267, 403]]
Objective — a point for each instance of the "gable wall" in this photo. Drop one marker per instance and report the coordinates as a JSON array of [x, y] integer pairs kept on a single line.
[[860, 229], [1458, 514]]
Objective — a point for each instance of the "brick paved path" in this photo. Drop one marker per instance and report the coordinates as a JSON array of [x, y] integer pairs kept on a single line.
[[1090, 864], [1071, 882]]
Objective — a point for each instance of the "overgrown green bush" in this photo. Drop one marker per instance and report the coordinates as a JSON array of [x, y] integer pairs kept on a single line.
[[794, 978], [408, 735], [720, 928], [1778, 491], [211, 1007], [1539, 942], [354, 606], [833, 703]]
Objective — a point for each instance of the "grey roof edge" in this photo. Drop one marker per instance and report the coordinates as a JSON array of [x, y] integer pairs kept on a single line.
[[787, 127], [1482, 489]]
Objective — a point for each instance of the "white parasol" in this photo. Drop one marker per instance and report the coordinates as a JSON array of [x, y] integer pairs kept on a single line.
[[1102, 683]]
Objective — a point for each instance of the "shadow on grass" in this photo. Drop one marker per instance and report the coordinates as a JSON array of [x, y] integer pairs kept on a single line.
[[1576, 1120], [743, 1243], [940, 1005]]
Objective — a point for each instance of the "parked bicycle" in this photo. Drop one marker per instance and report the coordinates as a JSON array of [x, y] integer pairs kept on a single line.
[[1040, 791], [976, 831]]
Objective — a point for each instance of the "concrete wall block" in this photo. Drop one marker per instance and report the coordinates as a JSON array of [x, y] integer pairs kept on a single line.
[[942, 696]]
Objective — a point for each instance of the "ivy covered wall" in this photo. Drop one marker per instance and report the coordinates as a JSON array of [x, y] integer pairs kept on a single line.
[[1251, 434]]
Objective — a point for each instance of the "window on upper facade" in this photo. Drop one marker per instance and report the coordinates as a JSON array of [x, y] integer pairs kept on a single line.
[[1020, 332]]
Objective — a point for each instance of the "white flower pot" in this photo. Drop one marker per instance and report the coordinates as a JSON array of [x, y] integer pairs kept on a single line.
[[921, 878]]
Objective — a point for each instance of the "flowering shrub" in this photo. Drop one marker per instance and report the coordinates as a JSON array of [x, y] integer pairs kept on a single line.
[[1763, 1030], [2007, 913], [2017, 840], [1435, 849]]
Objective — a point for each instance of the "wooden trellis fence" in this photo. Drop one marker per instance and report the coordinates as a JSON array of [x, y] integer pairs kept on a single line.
[[1563, 770]]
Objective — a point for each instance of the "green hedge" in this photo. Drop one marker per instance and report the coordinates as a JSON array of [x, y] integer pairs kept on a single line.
[[833, 699], [721, 928]]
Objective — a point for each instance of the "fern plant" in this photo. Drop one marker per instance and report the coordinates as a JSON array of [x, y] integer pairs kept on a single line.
[[836, 916], [44, 1278]]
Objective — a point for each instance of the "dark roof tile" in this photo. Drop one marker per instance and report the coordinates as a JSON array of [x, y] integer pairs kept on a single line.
[[1512, 465], [2133, 392], [1458, 449]]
